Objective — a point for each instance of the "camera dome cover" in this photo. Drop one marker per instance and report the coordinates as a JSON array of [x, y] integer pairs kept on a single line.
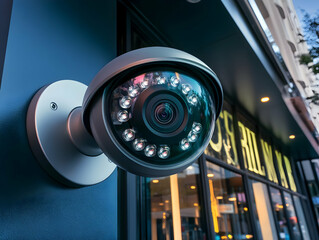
[[142, 152]]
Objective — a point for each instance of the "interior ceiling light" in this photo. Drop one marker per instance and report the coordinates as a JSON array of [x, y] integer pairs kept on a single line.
[[264, 99], [292, 137]]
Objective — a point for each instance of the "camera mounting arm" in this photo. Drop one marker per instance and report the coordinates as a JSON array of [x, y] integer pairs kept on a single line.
[[58, 138]]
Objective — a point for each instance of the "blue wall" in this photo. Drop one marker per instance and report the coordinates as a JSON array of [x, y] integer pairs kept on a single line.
[[51, 40]]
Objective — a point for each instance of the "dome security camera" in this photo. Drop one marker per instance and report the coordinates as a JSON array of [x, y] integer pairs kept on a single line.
[[151, 111]]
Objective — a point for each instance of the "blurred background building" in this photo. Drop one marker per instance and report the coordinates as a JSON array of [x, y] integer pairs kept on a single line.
[[282, 27]]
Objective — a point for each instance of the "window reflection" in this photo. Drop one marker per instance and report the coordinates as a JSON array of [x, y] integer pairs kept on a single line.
[[161, 208], [279, 213], [292, 216], [228, 204], [265, 220], [312, 186], [176, 206], [315, 163], [301, 218]]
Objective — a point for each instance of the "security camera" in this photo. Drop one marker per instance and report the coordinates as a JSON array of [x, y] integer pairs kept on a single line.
[[151, 111]]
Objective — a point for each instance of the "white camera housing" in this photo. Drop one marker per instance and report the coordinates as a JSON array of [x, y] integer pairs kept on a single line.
[[70, 125]]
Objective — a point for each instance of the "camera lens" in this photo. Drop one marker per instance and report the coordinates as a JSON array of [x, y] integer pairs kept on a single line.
[[164, 113]]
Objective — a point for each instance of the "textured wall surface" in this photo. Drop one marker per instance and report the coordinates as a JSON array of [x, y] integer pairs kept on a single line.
[[48, 41]]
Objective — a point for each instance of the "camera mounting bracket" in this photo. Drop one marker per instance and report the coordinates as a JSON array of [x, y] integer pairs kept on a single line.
[[50, 141]]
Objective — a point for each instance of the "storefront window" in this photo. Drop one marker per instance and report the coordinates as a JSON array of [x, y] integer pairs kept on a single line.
[[292, 216], [301, 218], [279, 211], [315, 163], [265, 220], [228, 204], [176, 206], [222, 145], [312, 185]]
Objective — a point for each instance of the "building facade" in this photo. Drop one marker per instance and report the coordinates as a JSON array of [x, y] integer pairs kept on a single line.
[[252, 182]]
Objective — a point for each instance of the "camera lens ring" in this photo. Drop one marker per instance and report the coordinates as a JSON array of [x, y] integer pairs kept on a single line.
[[164, 113], [176, 103]]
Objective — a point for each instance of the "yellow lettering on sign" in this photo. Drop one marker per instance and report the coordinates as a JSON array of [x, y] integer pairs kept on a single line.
[[245, 148], [290, 176], [267, 152], [258, 169], [228, 145], [218, 145], [228, 120], [281, 170], [250, 150]]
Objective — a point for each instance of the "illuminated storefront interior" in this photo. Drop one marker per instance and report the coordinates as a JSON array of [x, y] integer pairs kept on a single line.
[[244, 187], [248, 184]]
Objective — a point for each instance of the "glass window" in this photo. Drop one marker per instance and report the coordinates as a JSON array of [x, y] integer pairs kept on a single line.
[[222, 145], [315, 163], [279, 211], [280, 158], [292, 216], [176, 206], [312, 186], [306, 165], [228, 204], [265, 219], [301, 217]]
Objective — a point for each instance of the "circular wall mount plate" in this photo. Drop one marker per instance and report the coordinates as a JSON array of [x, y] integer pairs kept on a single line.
[[49, 140]]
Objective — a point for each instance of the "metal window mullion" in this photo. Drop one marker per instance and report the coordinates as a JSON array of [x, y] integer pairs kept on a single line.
[[206, 198], [122, 204], [5, 16]]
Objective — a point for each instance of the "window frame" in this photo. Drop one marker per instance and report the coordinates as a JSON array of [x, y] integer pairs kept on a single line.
[[133, 207], [5, 17]]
